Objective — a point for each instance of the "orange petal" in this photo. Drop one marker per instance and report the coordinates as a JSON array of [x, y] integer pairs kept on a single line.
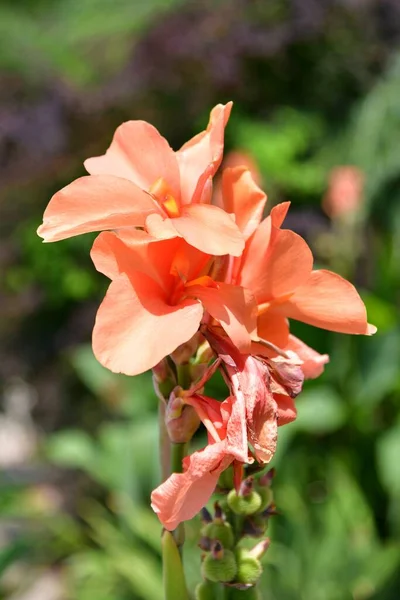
[[278, 213], [243, 198], [328, 301], [273, 328], [135, 326], [209, 229], [92, 204], [287, 411], [203, 152], [233, 307], [132, 250], [183, 495], [313, 361], [275, 270], [138, 152]]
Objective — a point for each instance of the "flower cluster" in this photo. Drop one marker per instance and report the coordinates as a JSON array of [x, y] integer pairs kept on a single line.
[[201, 282]]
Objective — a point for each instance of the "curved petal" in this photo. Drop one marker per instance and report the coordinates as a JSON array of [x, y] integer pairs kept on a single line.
[[233, 307], [278, 213], [328, 301], [203, 152], [94, 203], [276, 270], [183, 495], [140, 153], [135, 327], [131, 250], [243, 198], [261, 408], [287, 411], [209, 229], [273, 328], [313, 362], [160, 228]]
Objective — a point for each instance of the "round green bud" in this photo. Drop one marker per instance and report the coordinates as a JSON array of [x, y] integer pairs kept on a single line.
[[249, 568], [222, 569], [244, 505], [221, 531], [256, 525], [237, 594], [267, 497], [204, 591]]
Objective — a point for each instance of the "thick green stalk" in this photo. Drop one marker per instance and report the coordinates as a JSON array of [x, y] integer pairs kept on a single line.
[[178, 452]]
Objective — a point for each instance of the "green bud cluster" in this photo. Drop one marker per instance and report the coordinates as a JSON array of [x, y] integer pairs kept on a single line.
[[246, 513]]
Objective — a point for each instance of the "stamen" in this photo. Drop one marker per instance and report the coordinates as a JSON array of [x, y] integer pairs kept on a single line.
[[272, 347]]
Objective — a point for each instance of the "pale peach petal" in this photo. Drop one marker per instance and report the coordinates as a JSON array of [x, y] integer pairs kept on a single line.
[[233, 307], [328, 301], [287, 411], [243, 198], [94, 203], [203, 152], [313, 362], [276, 270], [183, 495], [160, 228], [209, 229], [138, 152], [136, 327]]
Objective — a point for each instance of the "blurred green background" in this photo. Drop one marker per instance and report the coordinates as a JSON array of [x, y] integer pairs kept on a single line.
[[316, 84]]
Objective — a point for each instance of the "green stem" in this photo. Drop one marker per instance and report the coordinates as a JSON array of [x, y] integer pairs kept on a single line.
[[178, 452]]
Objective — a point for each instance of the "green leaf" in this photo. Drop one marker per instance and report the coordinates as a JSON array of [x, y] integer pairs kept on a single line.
[[73, 448], [388, 458], [320, 410]]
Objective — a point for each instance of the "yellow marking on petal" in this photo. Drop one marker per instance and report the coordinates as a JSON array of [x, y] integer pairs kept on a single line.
[[171, 207], [204, 281]]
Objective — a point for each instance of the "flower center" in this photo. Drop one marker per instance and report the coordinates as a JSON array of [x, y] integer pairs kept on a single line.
[[161, 192]]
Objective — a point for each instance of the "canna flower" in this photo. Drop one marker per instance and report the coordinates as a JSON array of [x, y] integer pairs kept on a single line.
[[159, 294], [183, 495], [344, 194], [277, 267], [141, 182]]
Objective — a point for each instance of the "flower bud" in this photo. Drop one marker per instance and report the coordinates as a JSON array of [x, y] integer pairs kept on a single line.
[[185, 351], [247, 501], [267, 497], [181, 420], [164, 380], [219, 565], [221, 531], [249, 568], [205, 591], [236, 593], [255, 526]]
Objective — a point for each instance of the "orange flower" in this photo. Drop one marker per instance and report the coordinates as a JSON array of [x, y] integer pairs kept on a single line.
[[141, 182], [345, 191], [276, 266], [157, 298], [183, 495]]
